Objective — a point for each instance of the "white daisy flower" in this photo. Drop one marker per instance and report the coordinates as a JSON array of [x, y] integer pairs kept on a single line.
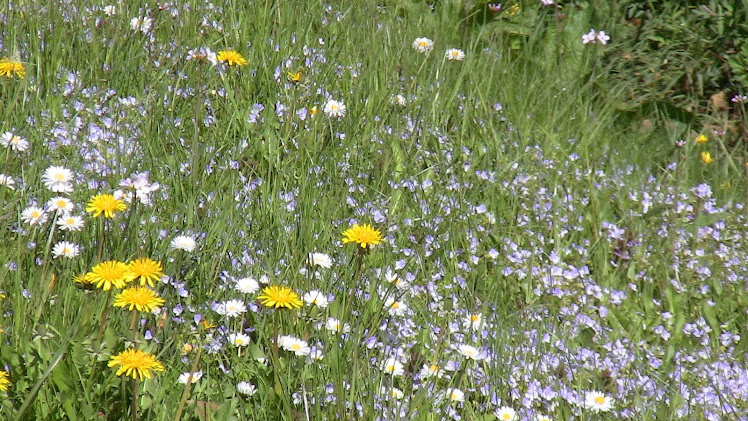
[[335, 325], [471, 352], [598, 402], [395, 280], [393, 367], [423, 45], [34, 215], [334, 108], [61, 205], [246, 388], [110, 10], [195, 377], [506, 413], [316, 298], [472, 322], [65, 249], [183, 242], [71, 223], [295, 345], [14, 142], [7, 181], [238, 339], [395, 308], [320, 259], [541, 417], [399, 100], [454, 54], [143, 24], [432, 370], [230, 308], [455, 395], [392, 392], [58, 179], [247, 285]]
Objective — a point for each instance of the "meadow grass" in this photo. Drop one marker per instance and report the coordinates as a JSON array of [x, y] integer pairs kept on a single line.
[[536, 247]]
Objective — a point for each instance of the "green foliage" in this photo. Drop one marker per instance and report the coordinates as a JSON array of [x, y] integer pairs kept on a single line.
[[674, 56], [529, 105]]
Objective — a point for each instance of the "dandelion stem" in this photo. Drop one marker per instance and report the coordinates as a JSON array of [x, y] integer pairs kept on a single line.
[[104, 315], [134, 404]]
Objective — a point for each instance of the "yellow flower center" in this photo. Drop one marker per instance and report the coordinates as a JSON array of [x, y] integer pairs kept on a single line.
[[296, 347], [59, 177], [62, 203], [600, 400]]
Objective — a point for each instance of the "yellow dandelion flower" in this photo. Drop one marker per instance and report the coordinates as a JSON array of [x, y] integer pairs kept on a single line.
[[364, 235], [702, 139], [232, 58], [315, 110], [147, 270], [9, 67], [108, 274], [140, 298], [135, 363], [105, 204], [4, 382], [294, 77], [277, 296], [707, 158]]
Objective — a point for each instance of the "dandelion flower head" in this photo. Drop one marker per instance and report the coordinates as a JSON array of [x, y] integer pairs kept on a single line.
[[108, 274], [10, 68], [364, 235], [232, 58], [140, 298], [278, 297], [4, 382], [147, 270], [135, 363], [105, 204]]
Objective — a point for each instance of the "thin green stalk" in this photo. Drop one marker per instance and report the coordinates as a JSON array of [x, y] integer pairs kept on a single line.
[[186, 392]]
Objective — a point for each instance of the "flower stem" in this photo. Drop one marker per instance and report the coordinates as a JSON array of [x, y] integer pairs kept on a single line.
[[134, 404], [186, 391]]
